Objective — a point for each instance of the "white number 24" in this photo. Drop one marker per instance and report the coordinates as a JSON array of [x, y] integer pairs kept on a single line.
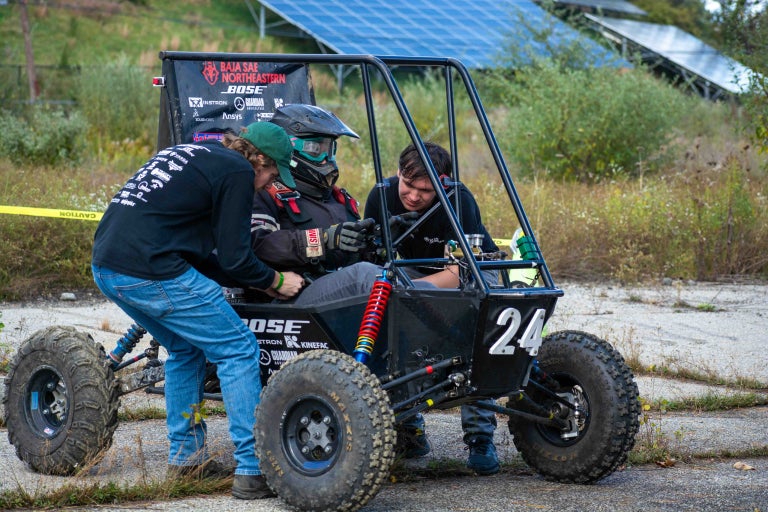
[[531, 338]]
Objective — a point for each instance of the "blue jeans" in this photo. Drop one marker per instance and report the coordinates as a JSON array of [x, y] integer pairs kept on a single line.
[[477, 422], [191, 319], [474, 422]]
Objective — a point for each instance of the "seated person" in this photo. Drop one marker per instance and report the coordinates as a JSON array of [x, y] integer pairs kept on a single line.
[[411, 191], [314, 227]]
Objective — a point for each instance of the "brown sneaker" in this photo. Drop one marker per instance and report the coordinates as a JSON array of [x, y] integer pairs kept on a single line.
[[209, 469], [251, 487]]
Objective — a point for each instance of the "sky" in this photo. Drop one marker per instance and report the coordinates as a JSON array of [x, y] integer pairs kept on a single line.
[[713, 5]]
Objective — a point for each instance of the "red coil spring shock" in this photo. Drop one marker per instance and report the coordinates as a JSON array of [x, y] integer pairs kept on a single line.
[[374, 313]]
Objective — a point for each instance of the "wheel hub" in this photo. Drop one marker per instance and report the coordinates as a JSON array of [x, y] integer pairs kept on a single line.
[[47, 403], [311, 435], [576, 416], [317, 437]]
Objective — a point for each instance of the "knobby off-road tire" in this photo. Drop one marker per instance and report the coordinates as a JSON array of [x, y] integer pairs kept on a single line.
[[596, 374], [61, 401], [325, 432]]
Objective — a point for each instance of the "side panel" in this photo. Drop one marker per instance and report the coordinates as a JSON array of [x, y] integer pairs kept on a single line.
[[507, 340], [431, 325]]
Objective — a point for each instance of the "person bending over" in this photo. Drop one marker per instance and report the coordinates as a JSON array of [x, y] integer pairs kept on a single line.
[[184, 203]]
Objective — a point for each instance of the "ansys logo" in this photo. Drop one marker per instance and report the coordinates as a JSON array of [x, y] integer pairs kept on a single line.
[[210, 73]]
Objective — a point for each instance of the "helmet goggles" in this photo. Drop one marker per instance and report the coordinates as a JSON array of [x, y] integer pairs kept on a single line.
[[316, 149]]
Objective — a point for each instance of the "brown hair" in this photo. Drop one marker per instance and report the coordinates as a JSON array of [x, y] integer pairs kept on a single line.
[[257, 159], [411, 166]]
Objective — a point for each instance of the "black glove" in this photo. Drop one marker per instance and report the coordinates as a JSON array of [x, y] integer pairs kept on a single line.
[[347, 236], [398, 224]]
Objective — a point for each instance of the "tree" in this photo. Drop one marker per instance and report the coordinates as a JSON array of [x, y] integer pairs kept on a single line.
[[31, 74], [742, 26], [688, 15]]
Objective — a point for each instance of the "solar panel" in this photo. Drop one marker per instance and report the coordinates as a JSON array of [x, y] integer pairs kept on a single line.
[[690, 54], [606, 6], [473, 31]]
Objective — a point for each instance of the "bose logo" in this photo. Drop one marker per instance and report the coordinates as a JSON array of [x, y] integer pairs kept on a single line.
[[245, 89], [275, 326]]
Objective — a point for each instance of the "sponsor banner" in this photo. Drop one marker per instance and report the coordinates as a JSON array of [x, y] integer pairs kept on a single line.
[[51, 212], [281, 339], [217, 96]]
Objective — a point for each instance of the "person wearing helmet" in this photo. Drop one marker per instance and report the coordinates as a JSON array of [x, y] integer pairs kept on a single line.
[[315, 226]]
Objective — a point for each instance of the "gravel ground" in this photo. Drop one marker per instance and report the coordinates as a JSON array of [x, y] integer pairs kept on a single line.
[[712, 328]]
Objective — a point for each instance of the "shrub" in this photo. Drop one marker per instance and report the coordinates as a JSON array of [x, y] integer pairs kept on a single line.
[[706, 221], [121, 108], [591, 124], [42, 136]]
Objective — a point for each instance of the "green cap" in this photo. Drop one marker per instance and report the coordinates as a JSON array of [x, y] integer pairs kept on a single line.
[[272, 140]]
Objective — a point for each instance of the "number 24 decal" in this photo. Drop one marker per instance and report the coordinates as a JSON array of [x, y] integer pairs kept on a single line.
[[531, 338]]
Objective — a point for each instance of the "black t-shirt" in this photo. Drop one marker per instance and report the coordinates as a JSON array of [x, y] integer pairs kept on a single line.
[[428, 240], [183, 203]]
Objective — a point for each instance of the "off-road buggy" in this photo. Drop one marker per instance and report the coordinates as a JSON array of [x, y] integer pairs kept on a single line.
[[339, 378]]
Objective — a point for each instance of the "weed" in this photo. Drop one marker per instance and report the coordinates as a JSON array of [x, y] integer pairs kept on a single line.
[[74, 495], [652, 443], [717, 402], [5, 353], [142, 414]]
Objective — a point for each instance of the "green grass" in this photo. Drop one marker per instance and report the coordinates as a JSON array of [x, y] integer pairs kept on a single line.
[[60, 34]]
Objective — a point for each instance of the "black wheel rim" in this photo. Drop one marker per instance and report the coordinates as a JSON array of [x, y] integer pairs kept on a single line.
[[47, 402], [553, 435], [311, 435]]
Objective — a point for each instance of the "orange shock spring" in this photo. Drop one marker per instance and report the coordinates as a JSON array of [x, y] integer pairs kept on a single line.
[[374, 313]]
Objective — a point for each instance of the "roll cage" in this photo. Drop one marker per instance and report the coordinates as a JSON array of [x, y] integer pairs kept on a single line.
[[190, 81]]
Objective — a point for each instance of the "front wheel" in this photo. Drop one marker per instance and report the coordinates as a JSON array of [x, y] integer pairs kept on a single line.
[[61, 401], [325, 432], [602, 420]]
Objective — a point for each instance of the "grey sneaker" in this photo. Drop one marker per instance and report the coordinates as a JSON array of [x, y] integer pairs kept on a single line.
[[251, 487], [209, 469], [482, 456]]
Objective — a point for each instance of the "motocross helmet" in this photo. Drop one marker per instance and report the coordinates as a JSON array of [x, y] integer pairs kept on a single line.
[[313, 132]]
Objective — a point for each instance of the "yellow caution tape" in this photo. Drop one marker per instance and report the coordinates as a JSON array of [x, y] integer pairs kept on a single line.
[[51, 212]]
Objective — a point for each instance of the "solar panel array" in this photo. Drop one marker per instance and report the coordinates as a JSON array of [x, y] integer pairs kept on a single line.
[[473, 31], [682, 49]]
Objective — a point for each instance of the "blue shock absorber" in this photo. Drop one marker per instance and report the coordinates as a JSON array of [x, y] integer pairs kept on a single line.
[[126, 344]]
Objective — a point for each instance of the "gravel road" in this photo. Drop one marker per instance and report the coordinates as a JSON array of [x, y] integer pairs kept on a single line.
[[711, 328]]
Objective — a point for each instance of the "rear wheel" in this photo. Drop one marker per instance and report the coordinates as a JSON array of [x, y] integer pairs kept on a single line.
[[325, 432], [60, 401], [591, 375]]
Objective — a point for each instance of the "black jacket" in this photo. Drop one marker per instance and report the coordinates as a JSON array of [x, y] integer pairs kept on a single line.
[[183, 203], [287, 229]]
